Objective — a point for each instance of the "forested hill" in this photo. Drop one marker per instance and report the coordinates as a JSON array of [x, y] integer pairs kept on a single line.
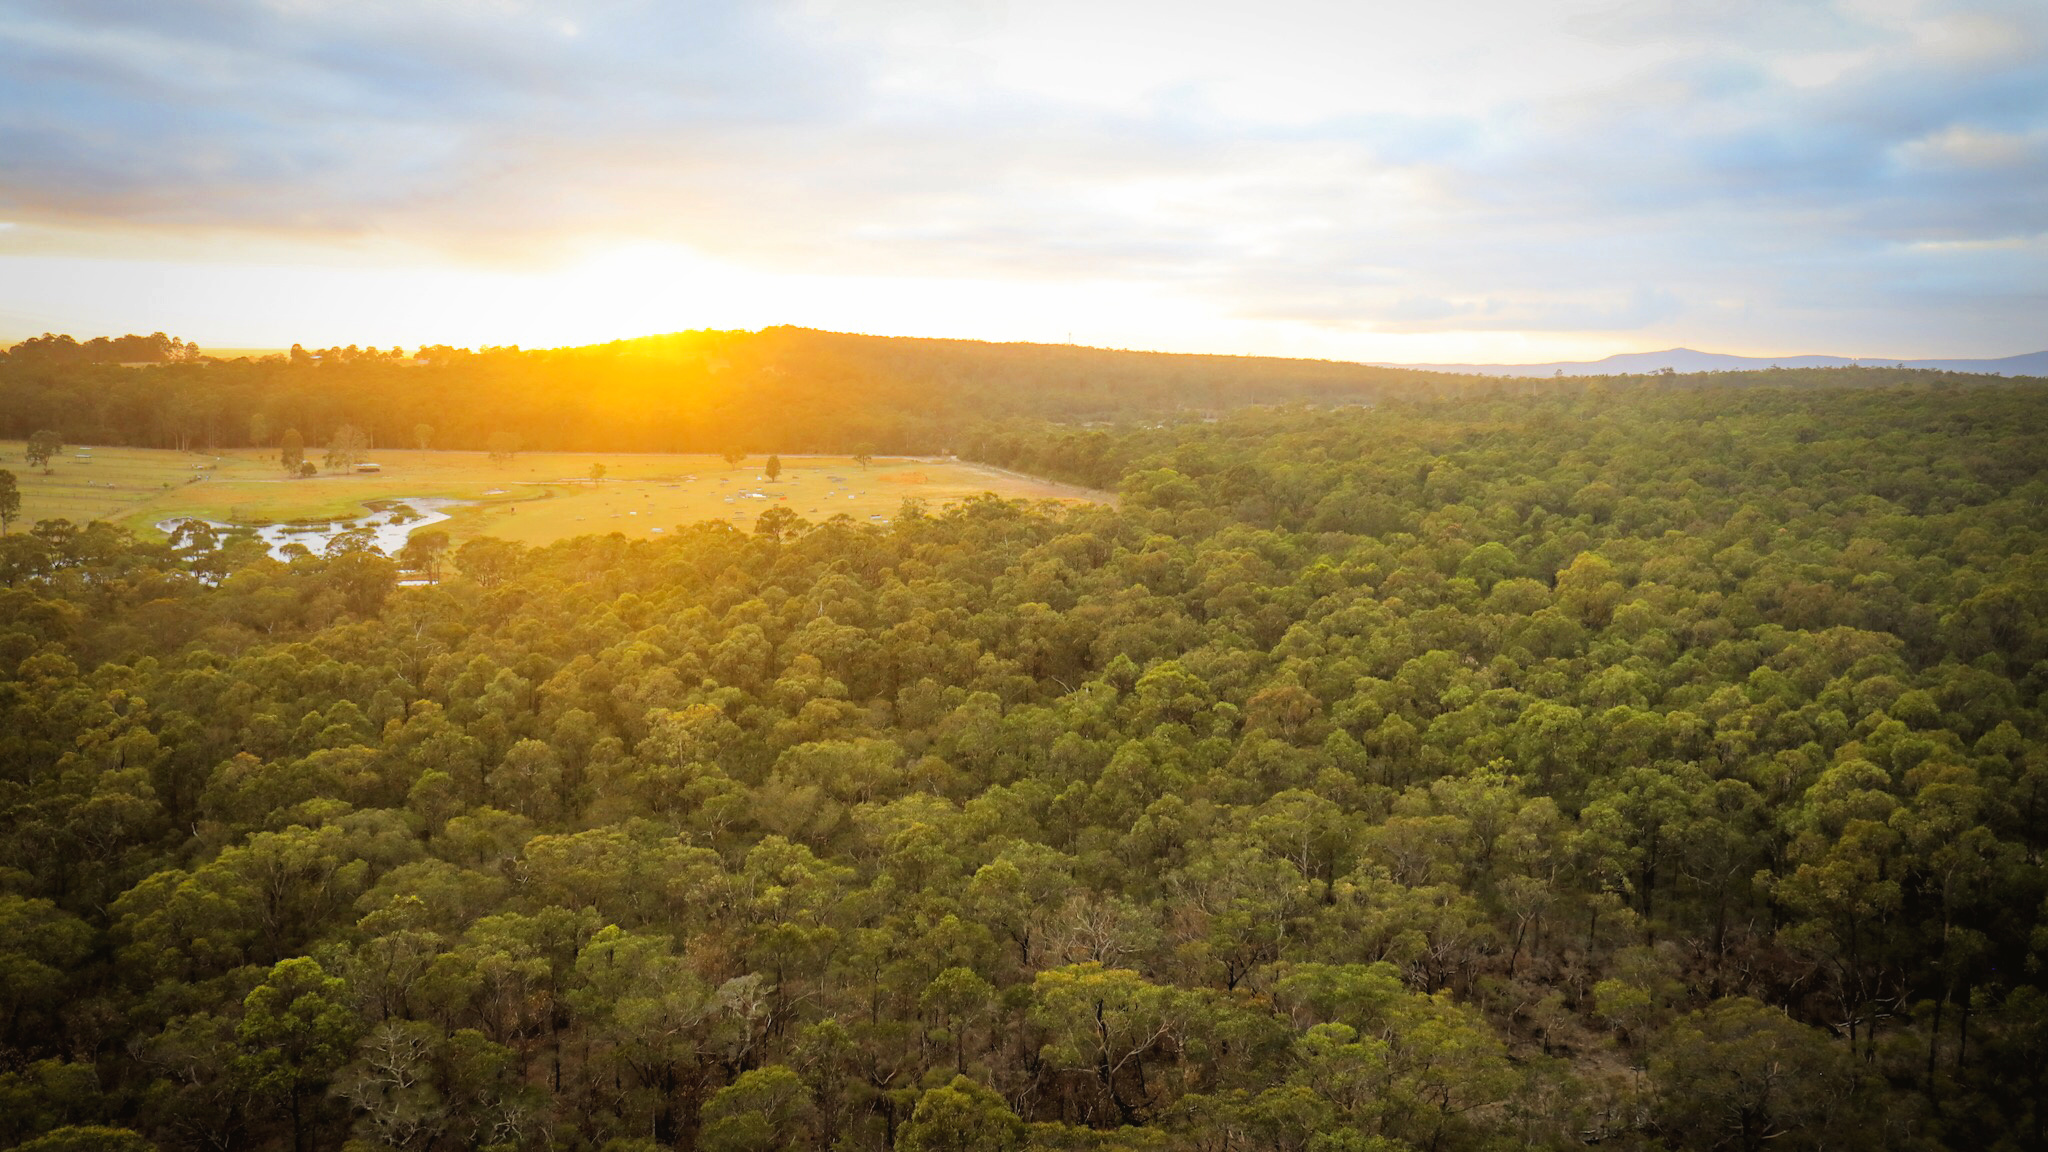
[[779, 390], [1653, 769]]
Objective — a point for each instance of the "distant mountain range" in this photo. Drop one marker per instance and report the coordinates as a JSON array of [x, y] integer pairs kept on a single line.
[[1687, 360]]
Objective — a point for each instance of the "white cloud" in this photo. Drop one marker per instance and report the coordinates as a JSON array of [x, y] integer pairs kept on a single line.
[[1963, 146]]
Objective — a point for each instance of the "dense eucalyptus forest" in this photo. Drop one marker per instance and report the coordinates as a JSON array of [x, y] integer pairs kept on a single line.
[[1651, 767]]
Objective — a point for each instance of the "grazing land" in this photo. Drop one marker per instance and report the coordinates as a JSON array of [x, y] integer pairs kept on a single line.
[[534, 498]]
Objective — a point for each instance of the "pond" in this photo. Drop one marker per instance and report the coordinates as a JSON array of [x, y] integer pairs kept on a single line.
[[389, 523]]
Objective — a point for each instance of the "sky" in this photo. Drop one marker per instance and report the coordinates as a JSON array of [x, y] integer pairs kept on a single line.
[[1457, 180]]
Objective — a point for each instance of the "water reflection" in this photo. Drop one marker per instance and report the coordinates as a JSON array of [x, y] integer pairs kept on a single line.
[[388, 522]]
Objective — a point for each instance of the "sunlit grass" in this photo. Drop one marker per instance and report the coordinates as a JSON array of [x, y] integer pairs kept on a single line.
[[536, 497]]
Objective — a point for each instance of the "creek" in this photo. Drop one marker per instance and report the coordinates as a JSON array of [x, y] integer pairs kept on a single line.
[[390, 522]]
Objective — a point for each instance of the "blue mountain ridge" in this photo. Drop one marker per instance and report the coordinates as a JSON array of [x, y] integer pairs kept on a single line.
[[1687, 360]]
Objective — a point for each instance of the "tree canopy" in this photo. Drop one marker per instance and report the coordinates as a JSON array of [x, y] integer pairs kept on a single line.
[[1658, 767]]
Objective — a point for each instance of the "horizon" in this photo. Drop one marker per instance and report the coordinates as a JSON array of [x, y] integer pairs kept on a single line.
[[1476, 183], [229, 352]]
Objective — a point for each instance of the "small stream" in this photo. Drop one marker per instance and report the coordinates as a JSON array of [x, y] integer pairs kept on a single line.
[[389, 524]]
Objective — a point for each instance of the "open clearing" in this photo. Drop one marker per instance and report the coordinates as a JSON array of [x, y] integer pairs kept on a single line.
[[536, 498]]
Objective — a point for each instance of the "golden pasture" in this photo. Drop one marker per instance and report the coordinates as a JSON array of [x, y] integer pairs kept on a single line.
[[536, 497]]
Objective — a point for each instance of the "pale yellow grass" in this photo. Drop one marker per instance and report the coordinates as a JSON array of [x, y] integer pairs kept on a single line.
[[537, 497]]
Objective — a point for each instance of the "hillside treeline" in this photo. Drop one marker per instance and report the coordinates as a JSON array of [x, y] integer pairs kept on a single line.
[[50, 349], [1099, 455], [781, 389], [1653, 770], [777, 390]]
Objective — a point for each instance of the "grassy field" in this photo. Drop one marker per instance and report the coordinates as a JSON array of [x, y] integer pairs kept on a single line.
[[537, 497]]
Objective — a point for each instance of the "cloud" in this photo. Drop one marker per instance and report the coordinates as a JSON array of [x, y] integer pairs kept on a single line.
[[1746, 171], [311, 116]]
